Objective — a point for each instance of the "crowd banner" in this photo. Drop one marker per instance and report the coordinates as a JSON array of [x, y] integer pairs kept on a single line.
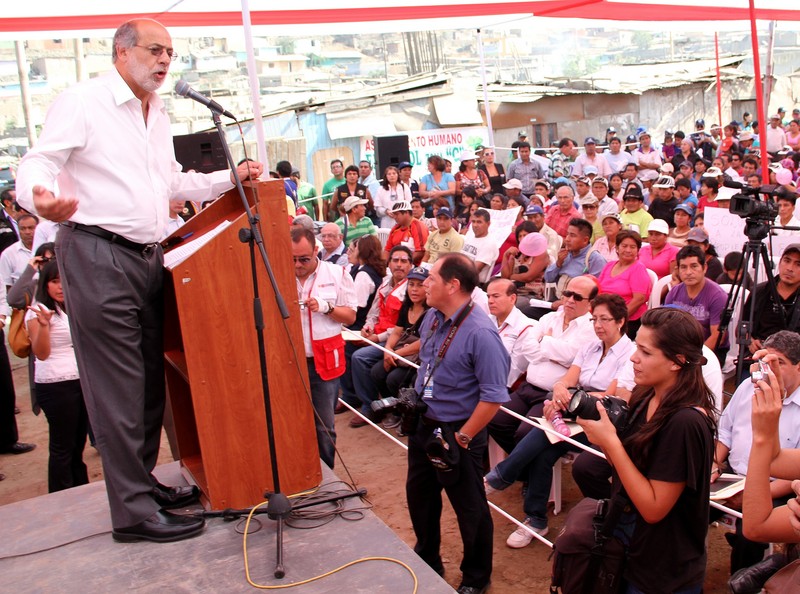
[[445, 142]]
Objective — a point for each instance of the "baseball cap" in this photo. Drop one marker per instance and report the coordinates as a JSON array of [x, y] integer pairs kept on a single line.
[[590, 140], [444, 212], [611, 129], [659, 226], [700, 122], [792, 247], [533, 244], [584, 180], [688, 164], [513, 184], [522, 134], [403, 164], [588, 200], [775, 116], [668, 168], [665, 181], [600, 180], [590, 170], [560, 181], [687, 208], [417, 273], [400, 207], [533, 209], [712, 172], [353, 201], [697, 234], [612, 215]]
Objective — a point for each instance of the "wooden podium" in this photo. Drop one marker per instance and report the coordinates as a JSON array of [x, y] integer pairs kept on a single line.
[[212, 365]]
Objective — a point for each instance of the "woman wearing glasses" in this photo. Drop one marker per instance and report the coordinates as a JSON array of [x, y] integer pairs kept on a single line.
[[58, 387], [594, 369]]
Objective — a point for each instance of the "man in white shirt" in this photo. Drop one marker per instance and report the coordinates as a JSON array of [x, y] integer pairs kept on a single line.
[[15, 257], [616, 158], [735, 432], [776, 136], [327, 291], [559, 335], [481, 248], [175, 221], [590, 156], [514, 327], [108, 142]]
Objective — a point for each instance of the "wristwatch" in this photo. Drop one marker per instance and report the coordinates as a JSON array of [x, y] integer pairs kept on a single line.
[[463, 438], [331, 305]]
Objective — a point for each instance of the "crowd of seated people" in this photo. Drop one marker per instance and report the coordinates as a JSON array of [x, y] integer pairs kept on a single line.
[[593, 232]]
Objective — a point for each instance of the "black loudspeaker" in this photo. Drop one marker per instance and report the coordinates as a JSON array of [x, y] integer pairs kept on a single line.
[[201, 152], [390, 150]]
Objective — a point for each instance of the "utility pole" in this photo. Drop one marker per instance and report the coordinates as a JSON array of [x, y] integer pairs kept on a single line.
[[27, 108]]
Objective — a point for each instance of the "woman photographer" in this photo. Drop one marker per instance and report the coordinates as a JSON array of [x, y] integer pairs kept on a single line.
[[594, 369], [58, 388], [662, 458]]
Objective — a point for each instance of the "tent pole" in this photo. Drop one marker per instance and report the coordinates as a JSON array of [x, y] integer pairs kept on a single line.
[[759, 89], [255, 90], [487, 110], [719, 82], [770, 64]]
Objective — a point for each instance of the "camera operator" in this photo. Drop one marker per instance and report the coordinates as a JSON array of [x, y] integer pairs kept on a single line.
[[462, 379], [766, 320]]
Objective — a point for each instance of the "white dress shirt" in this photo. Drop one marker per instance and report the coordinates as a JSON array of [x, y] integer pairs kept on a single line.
[[13, 261], [596, 373], [736, 432], [518, 338], [557, 347], [96, 145]]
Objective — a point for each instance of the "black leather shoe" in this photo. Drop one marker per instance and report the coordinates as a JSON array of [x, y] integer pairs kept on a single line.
[[19, 448], [751, 579], [173, 497], [473, 589], [162, 526]]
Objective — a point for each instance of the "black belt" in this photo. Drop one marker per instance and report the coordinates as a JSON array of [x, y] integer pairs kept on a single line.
[[428, 422], [142, 248]]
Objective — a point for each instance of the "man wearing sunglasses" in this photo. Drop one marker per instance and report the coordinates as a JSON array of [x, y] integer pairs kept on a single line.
[[551, 349], [108, 144]]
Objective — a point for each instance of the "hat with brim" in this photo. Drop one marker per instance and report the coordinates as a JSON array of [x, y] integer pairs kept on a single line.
[[712, 172], [444, 212], [533, 244], [612, 215], [353, 201], [685, 208], [513, 184], [401, 206], [658, 226], [697, 234]]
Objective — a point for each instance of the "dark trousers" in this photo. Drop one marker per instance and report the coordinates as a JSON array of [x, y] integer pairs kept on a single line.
[[62, 403], [389, 383], [592, 474], [466, 495], [506, 430], [323, 397], [8, 422], [115, 298]]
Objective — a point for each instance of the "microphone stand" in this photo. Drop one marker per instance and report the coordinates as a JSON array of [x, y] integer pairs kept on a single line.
[[278, 507]]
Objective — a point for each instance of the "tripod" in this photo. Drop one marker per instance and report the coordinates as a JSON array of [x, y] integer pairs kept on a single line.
[[753, 251]]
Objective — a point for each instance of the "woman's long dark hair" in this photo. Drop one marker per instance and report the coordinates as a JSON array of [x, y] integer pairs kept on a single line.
[[385, 182], [370, 253], [680, 338], [48, 273]]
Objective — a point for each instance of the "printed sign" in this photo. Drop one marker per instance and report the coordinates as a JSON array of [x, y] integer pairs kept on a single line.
[[445, 142]]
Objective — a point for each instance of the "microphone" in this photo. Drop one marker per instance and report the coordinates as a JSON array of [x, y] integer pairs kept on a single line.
[[183, 89]]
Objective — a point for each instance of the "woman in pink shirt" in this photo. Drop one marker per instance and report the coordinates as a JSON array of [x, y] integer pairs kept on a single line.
[[659, 255], [628, 278]]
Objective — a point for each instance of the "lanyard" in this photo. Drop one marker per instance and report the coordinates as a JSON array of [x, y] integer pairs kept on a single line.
[[448, 340]]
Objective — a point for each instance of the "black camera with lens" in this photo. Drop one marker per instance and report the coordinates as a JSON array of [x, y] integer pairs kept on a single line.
[[584, 406], [407, 404]]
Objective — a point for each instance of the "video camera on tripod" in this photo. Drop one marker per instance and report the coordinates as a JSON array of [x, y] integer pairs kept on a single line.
[[759, 214]]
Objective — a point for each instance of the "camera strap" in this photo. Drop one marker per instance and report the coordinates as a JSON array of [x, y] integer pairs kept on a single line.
[[447, 341]]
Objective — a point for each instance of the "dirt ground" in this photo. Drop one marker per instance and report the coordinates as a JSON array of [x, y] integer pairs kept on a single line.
[[375, 463]]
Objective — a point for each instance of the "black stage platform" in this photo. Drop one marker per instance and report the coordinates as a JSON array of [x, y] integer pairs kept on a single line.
[[212, 562]]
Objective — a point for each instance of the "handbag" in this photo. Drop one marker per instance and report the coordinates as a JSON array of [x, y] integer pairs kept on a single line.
[[587, 558], [18, 338], [406, 338], [785, 580]]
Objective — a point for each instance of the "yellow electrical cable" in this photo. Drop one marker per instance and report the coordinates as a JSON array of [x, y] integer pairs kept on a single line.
[[318, 577]]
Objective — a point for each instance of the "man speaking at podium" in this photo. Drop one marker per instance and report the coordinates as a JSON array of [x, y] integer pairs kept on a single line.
[[107, 143]]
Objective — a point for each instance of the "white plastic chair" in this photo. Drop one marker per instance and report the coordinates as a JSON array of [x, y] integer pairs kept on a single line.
[[658, 288], [733, 328], [383, 236]]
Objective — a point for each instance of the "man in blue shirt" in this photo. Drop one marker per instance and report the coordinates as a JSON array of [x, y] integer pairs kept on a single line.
[[462, 378], [574, 259]]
